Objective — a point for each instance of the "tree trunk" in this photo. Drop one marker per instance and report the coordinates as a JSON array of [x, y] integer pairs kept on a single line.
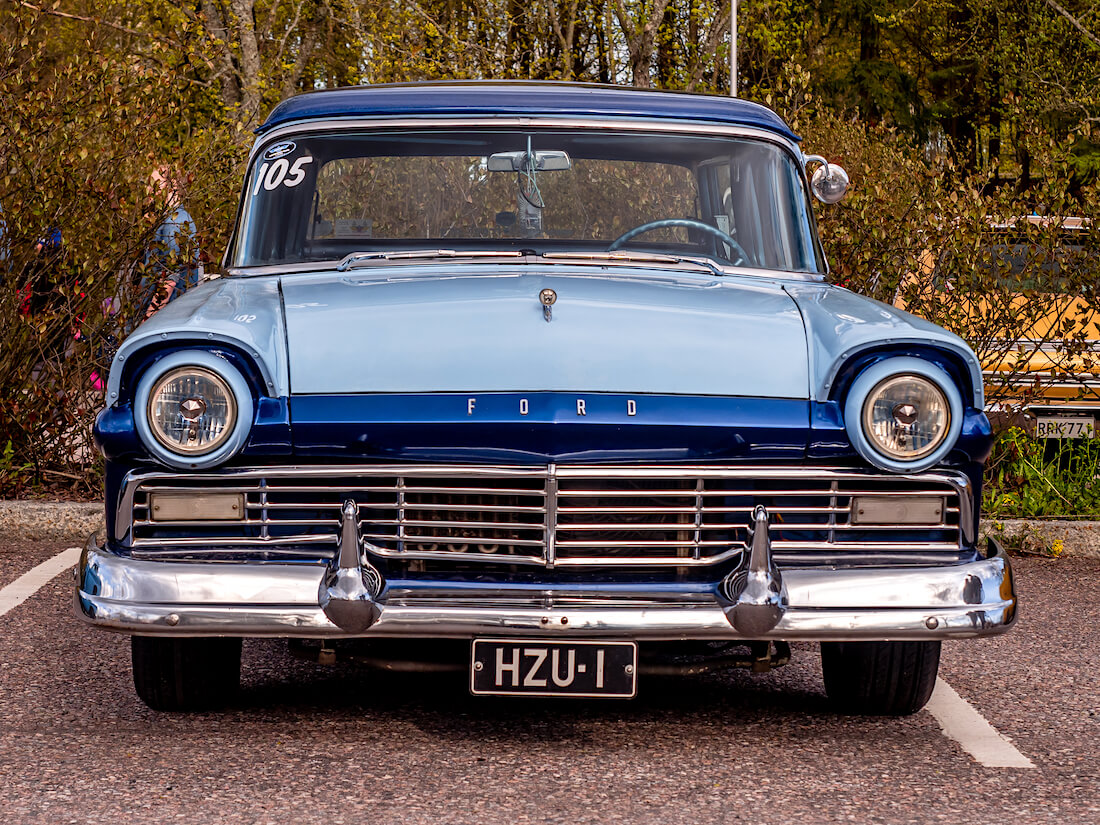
[[640, 37], [250, 66]]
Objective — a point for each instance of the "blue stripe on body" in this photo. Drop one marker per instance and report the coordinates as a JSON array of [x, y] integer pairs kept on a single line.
[[535, 428]]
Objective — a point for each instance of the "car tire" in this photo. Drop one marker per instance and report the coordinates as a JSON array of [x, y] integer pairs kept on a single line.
[[880, 678], [185, 674]]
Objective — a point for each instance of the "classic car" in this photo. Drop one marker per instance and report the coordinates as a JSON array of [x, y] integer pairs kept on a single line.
[[552, 372]]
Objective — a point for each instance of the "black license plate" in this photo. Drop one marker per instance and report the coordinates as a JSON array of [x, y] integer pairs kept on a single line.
[[540, 668]]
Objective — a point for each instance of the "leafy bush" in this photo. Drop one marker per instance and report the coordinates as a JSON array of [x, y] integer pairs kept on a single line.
[[1038, 478], [925, 236], [79, 139]]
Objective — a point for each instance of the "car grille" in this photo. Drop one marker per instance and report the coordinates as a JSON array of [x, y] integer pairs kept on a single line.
[[549, 516]]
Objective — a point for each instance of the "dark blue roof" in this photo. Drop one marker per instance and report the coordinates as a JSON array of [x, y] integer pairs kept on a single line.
[[487, 98]]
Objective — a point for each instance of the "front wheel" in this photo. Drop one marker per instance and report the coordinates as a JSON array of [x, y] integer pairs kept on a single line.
[[185, 674], [880, 678]]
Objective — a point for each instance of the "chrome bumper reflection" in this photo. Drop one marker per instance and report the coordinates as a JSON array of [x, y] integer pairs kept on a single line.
[[231, 599]]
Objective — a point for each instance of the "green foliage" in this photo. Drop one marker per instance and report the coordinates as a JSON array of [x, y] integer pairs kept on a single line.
[[1038, 478], [924, 234]]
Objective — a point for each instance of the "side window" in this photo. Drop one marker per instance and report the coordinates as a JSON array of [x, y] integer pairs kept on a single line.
[[722, 201], [753, 198]]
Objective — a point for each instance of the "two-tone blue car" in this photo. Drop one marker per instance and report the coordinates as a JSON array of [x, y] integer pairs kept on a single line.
[[551, 371]]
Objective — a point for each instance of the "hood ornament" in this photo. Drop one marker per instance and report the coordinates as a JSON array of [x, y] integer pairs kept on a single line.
[[547, 298]]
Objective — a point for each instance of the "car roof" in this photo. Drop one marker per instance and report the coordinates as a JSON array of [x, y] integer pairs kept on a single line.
[[489, 98]]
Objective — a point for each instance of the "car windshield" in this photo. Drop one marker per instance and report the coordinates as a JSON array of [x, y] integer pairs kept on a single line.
[[319, 198]]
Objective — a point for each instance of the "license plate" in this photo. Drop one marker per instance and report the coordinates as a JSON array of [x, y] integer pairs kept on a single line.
[[1075, 427], [509, 667]]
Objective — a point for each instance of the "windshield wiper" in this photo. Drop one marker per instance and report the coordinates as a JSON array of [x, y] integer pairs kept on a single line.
[[635, 257], [364, 258]]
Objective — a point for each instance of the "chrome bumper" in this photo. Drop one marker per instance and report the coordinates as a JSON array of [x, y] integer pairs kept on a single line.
[[275, 599]]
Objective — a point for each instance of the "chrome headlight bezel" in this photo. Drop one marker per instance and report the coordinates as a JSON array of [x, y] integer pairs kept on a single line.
[[206, 365], [882, 375]]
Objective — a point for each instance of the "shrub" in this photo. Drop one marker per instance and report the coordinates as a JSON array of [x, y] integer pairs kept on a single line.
[[80, 133], [1039, 478]]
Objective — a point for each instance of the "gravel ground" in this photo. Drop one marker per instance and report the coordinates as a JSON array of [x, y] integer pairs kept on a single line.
[[342, 744]]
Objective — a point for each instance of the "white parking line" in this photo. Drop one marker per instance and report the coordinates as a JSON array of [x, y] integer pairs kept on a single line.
[[961, 722], [32, 581]]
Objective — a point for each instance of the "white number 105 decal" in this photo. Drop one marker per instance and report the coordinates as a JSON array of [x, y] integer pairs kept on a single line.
[[273, 175]]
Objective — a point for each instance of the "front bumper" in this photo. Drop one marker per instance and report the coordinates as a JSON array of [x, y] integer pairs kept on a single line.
[[275, 599]]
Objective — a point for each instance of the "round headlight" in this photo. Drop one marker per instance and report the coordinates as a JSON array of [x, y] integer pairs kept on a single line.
[[906, 417], [192, 411], [903, 414]]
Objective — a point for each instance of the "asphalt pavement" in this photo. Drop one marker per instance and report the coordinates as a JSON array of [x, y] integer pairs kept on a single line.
[[348, 744]]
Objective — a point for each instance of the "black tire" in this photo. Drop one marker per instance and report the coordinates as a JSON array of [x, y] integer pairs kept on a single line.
[[880, 678], [185, 674]]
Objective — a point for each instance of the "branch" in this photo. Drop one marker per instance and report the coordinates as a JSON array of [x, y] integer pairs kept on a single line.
[[1073, 21], [96, 21], [290, 29], [718, 27]]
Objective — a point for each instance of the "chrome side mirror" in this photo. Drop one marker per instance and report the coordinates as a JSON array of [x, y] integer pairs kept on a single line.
[[829, 181]]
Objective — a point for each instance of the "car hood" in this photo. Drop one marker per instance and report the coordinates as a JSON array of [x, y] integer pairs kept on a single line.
[[484, 330], [614, 329]]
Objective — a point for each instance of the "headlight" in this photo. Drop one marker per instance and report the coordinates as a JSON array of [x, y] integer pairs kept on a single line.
[[906, 417], [192, 411], [903, 414]]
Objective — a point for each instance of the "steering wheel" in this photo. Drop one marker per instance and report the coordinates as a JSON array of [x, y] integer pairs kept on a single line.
[[685, 222]]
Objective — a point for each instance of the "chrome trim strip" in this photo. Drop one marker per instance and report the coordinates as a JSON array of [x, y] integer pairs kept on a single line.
[[1025, 381], [551, 521], [1038, 409], [602, 123], [164, 598]]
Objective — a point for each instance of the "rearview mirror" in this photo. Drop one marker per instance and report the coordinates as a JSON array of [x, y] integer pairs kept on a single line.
[[544, 161]]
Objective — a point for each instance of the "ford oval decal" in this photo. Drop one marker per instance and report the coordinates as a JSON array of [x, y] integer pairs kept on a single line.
[[280, 150]]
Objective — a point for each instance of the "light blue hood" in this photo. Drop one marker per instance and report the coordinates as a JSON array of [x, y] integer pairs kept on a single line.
[[412, 329], [612, 330]]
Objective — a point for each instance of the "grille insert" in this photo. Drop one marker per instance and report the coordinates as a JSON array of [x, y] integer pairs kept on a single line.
[[550, 516]]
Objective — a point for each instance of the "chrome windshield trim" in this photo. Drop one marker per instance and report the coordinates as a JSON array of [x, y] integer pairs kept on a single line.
[[640, 124], [635, 258], [366, 258], [681, 265]]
